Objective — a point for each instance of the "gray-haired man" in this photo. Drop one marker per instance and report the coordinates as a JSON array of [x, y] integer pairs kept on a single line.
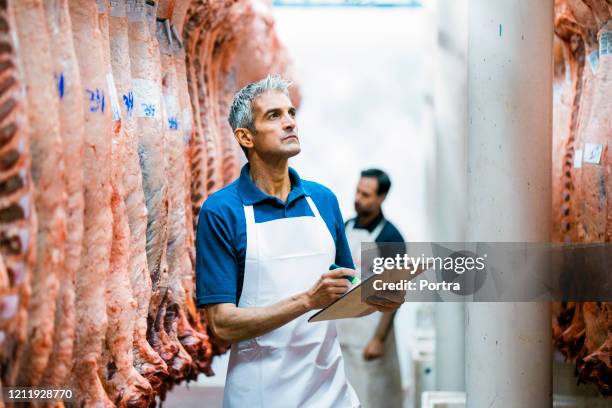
[[264, 246]]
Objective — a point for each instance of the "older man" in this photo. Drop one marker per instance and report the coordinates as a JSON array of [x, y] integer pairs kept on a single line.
[[265, 244]]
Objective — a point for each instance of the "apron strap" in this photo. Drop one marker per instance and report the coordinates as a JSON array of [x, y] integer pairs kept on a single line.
[[378, 229], [313, 207], [251, 231], [350, 225], [249, 215]]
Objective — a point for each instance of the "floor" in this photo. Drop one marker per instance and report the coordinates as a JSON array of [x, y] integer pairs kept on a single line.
[[195, 396]]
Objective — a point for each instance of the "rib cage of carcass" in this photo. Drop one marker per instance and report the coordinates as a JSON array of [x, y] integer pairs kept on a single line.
[[582, 172], [113, 131]]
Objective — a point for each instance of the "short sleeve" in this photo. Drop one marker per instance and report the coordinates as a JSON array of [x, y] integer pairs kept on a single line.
[[343, 251], [216, 261]]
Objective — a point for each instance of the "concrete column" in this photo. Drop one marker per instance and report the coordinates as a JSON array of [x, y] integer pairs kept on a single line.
[[450, 346], [451, 112], [451, 119], [508, 347]]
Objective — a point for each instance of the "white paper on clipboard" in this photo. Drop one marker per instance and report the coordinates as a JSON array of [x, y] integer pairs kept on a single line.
[[351, 305]]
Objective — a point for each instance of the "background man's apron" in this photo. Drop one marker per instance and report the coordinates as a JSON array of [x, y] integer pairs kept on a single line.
[[300, 363], [377, 382]]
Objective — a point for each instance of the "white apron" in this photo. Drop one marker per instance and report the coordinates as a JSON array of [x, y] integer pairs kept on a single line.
[[300, 363], [377, 382]]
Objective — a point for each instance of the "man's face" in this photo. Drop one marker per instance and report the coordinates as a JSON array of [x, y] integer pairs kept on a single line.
[[276, 129], [367, 201]]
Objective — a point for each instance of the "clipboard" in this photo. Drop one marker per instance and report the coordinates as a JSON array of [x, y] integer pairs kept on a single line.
[[350, 304]]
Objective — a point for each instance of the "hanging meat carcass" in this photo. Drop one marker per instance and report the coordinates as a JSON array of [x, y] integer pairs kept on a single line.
[[98, 218], [146, 78], [172, 309], [71, 121], [17, 217], [192, 333], [49, 186], [582, 171], [199, 33], [124, 385]]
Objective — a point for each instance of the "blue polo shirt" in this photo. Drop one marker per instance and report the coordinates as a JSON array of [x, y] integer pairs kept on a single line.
[[221, 234]]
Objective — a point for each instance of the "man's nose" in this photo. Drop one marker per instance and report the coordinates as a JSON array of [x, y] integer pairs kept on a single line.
[[289, 123]]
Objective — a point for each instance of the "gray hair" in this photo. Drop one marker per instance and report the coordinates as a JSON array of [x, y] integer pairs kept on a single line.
[[241, 111]]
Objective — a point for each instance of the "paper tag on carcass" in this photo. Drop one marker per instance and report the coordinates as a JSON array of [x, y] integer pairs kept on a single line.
[[594, 61], [578, 159], [112, 92], [147, 98], [605, 44], [101, 6], [118, 8], [135, 10], [172, 112], [187, 125], [592, 153]]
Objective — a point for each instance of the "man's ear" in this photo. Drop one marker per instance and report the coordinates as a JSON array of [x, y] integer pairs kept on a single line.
[[244, 137]]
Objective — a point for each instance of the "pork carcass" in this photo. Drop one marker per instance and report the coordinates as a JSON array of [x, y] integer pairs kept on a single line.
[[17, 217], [49, 186], [98, 220]]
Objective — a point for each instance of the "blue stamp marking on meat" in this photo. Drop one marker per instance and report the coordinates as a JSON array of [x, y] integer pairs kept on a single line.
[[96, 100], [128, 101], [173, 123], [60, 84], [149, 109]]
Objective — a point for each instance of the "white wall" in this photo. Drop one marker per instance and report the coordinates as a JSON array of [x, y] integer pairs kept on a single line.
[[364, 87]]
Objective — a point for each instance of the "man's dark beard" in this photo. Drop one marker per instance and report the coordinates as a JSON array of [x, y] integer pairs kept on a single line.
[[361, 212]]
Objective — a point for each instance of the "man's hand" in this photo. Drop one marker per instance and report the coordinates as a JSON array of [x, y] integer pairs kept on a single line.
[[330, 286], [375, 349]]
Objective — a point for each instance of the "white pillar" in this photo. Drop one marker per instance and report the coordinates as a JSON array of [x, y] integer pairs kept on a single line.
[[508, 345], [450, 346], [450, 109], [451, 120]]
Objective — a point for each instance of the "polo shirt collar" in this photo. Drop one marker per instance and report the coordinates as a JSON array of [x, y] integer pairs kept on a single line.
[[250, 194], [373, 224]]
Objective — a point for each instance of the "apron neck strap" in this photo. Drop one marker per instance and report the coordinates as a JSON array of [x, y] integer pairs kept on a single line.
[[249, 215], [379, 229], [313, 207], [350, 225]]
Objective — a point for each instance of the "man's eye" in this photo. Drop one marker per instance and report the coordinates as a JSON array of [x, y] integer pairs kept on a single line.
[[273, 116]]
